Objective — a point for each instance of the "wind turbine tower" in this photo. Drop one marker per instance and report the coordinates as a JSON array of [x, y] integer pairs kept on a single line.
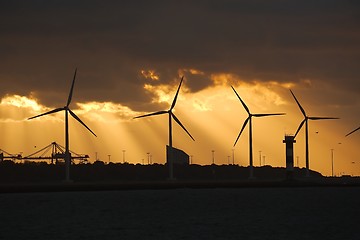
[[67, 111], [171, 116], [249, 119], [306, 118]]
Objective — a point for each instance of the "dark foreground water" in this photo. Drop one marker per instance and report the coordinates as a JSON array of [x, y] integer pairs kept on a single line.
[[244, 213]]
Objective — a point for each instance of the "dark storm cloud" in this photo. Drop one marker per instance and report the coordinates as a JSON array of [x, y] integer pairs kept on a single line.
[[42, 42]]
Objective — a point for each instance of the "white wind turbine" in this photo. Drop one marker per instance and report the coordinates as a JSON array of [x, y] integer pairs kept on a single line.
[[249, 119], [67, 110], [171, 116], [306, 118]]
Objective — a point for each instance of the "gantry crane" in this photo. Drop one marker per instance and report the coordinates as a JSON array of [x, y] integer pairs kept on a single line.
[[4, 155], [54, 152]]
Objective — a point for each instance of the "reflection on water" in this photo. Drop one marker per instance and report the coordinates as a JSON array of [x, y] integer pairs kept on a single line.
[[247, 213]]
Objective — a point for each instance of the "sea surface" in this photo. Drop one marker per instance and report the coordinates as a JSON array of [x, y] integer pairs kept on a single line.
[[238, 213]]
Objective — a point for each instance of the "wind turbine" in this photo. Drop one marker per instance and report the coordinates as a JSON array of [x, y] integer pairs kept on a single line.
[[249, 119], [171, 116], [352, 132], [67, 111], [306, 118]]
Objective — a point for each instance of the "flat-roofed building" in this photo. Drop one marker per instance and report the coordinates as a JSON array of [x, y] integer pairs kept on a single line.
[[178, 156]]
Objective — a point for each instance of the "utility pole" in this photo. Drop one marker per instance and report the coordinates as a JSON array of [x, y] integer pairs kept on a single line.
[[123, 155], [260, 157], [213, 156], [148, 157], [109, 157], [332, 162], [264, 160], [233, 156]]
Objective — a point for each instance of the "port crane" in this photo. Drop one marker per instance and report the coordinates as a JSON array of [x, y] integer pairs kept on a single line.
[[55, 153], [4, 155]]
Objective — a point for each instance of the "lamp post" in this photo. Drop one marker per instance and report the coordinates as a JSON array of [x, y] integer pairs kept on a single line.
[[260, 158], [123, 155], [213, 156], [264, 160], [233, 156], [332, 162]]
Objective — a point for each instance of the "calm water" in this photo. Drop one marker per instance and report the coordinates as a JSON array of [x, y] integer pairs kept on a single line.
[[248, 213]]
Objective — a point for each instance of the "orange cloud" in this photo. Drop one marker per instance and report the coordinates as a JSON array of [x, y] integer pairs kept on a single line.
[[192, 71], [19, 108], [150, 74], [105, 111]]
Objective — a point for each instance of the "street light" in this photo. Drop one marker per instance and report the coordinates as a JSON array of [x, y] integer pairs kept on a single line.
[[213, 156], [233, 156], [123, 155], [260, 157], [264, 160], [332, 162]]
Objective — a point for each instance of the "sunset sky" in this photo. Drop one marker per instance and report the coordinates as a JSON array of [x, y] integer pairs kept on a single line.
[[131, 55]]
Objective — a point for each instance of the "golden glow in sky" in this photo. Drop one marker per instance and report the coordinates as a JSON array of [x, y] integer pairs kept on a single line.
[[213, 116], [131, 57], [21, 101], [105, 111]]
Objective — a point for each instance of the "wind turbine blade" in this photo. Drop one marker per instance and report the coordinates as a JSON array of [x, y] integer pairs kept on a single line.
[[242, 129], [152, 114], [352, 132], [79, 120], [301, 109], [49, 112], [321, 118], [246, 108], [178, 121], [300, 126], [268, 114], [176, 95], [71, 90]]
